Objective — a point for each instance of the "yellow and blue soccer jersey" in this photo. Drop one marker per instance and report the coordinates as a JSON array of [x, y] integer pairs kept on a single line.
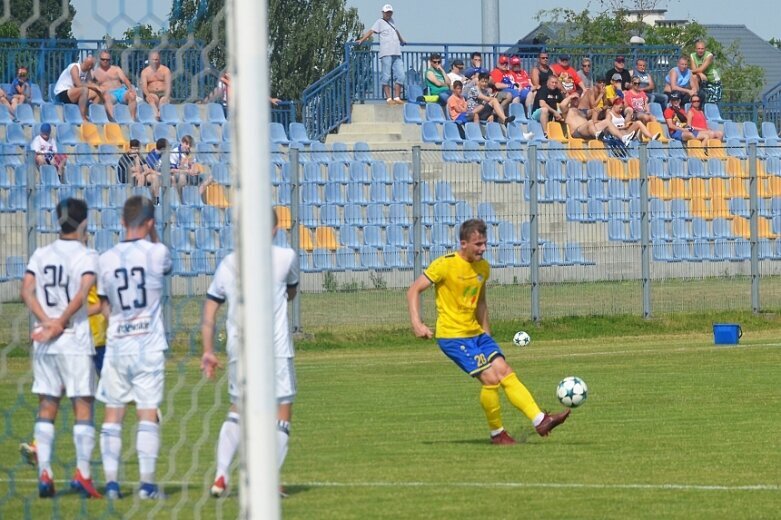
[[458, 284], [97, 322]]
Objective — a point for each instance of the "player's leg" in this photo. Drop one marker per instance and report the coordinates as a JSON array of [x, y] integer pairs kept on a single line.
[[230, 433], [148, 381], [80, 383], [43, 435], [286, 393], [114, 392]]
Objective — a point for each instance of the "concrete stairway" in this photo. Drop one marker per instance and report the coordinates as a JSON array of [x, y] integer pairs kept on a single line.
[[380, 125]]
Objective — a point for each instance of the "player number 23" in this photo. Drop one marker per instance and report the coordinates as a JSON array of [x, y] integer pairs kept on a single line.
[[138, 276]]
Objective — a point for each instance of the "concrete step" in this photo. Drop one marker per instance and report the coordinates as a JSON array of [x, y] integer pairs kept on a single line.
[[377, 112]]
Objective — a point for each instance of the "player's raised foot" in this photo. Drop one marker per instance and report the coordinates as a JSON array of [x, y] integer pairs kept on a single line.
[[502, 438], [219, 488], [84, 486], [29, 453], [551, 421], [112, 490], [45, 485], [149, 491], [282, 492]]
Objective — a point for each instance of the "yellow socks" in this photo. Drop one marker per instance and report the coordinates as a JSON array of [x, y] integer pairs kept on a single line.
[[489, 400], [518, 395]]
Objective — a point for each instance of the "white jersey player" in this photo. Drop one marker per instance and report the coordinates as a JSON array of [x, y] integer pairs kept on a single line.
[[224, 287], [55, 287], [130, 285]]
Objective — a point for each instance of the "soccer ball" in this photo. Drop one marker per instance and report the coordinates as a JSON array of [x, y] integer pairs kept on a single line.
[[521, 339], [572, 391]]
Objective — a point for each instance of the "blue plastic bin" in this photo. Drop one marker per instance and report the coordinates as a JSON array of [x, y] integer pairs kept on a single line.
[[726, 333]]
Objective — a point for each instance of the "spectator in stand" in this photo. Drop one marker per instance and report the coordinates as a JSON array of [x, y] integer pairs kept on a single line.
[[581, 128], [456, 72], [704, 68], [154, 158], [619, 67], [584, 73], [221, 92], [155, 83], [568, 77], [647, 83], [20, 91], [457, 107], [592, 103], [696, 119], [521, 81], [677, 121], [539, 77], [437, 81], [482, 102], [45, 149], [680, 79], [636, 102], [132, 168], [184, 169], [628, 127], [475, 61], [75, 86], [546, 103], [613, 89], [503, 82], [390, 53], [115, 86]]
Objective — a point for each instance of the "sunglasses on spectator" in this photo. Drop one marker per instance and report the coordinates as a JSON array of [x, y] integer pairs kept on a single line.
[[436, 61], [695, 100], [585, 65], [543, 57], [105, 59], [635, 83]]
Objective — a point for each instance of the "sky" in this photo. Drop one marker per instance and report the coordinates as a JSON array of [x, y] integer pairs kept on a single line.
[[424, 21]]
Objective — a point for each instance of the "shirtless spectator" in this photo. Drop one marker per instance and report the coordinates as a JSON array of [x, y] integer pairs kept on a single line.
[[678, 122], [704, 68], [636, 102], [585, 74], [619, 67], [115, 86], [592, 103], [568, 77], [456, 72], [132, 168], [75, 86], [155, 83], [696, 119], [581, 128], [539, 78], [680, 79], [647, 83]]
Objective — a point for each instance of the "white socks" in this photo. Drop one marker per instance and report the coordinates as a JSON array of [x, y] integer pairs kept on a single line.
[[148, 447], [227, 444], [283, 435], [84, 441], [110, 448], [44, 439]]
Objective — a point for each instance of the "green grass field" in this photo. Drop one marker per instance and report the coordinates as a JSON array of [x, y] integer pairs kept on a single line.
[[388, 428]]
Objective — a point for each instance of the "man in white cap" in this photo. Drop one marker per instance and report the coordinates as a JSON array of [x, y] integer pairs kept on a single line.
[[390, 53]]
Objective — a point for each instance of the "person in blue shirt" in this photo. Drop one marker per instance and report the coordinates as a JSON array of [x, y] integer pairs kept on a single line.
[[20, 89]]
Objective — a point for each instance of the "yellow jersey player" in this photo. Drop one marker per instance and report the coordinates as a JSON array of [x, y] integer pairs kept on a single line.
[[463, 332]]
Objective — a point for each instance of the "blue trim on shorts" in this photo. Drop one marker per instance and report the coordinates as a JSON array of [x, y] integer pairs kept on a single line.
[[472, 355]]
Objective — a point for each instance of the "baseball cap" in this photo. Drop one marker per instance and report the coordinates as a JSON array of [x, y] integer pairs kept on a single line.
[[46, 128], [458, 63], [616, 77], [387, 8], [675, 95], [515, 60], [563, 57], [504, 60], [620, 59]]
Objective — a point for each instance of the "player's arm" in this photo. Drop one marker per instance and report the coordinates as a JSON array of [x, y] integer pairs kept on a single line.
[[105, 307], [292, 290], [413, 303], [481, 313], [78, 300], [209, 362], [27, 294]]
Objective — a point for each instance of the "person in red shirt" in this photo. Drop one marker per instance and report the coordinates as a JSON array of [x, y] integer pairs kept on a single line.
[[636, 102], [696, 120], [521, 80], [677, 122], [502, 81], [568, 77]]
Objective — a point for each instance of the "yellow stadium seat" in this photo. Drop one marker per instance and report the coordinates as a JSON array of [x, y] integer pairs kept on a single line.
[[717, 189], [115, 136], [284, 220], [656, 128], [597, 150], [720, 208], [91, 134], [699, 208], [678, 189], [555, 131], [305, 239], [633, 168], [215, 196], [774, 186], [765, 228], [576, 149], [737, 188], [616, 169], [656, 188], [716, 149], [325, 238], [697, 188], [735, 168], [741, 227], [696, 149]]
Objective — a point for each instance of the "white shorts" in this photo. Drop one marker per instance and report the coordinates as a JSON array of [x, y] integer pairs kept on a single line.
[[135, 378], [284, 383], [53, 373]]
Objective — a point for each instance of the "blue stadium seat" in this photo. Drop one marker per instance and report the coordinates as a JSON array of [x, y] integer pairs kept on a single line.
[[206, 240], [122, 114], [485, 211], [750, 133], [164, 131], [451, 152], [191, 196], [472, 152], [186, 217], [97, 114], [474, 132], [595, 170], [180, 239], [298, 133], [680, 250], [451, 132], [362, 153], [573, 255], [551, 254], [334, 194], [701, 250], [215, 113], [108, 154], [110, 219], [50, 114], [742, 250], [329, 216], [657, 112], [71, 114], [494, 132], [145, 114], [183, 129], [519, 111], [348, 236], [356, 193], [712, 113], [489, 171], [24, 114], [5, 116], [139, 131], [370, 258], [380, 173], [320, 153], [15, 135], [278, 135], [397, 214], [346, 260], [595, 210], [49, 176], [721, 228], [430, 132], [732, 130], [340, 153], [769, 130], [338, 173], [210, 133], [378, 192], [312, 172], [680, 229], [226, 237], [192, 114], [395, 236], [402, 193], [169, 114], [104, 240], [401, 173], [722, 249], [36, 96], [375, 215], [434, 113], [412, 114]]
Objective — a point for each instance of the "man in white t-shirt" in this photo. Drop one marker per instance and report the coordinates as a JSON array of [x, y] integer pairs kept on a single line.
[[390, 53], [75, 85], [55, 287], [224, 288], [131, 278]]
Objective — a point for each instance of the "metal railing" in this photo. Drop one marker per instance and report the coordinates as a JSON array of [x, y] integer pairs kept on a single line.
[[771, 102]]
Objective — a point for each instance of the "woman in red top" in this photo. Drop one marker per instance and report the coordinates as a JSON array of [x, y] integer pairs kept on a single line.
[[696, 118]]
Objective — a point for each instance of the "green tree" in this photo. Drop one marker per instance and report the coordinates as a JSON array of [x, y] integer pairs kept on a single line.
[[54, 20], [741, 82], [305, 37], [775, 42]]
